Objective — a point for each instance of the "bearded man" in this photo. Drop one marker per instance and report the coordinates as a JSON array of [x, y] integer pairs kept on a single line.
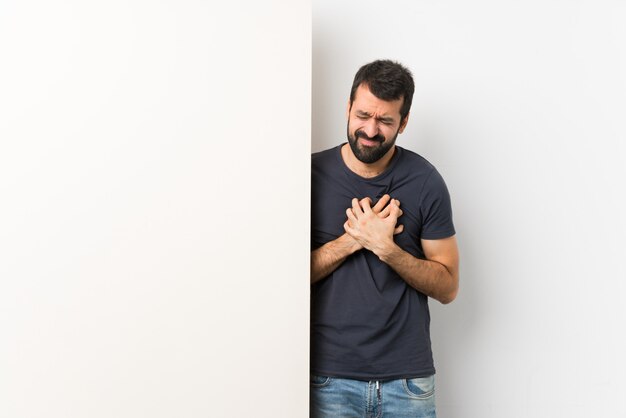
[[383, 242]]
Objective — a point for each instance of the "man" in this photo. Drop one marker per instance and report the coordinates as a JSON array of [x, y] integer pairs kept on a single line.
[[383, 241]]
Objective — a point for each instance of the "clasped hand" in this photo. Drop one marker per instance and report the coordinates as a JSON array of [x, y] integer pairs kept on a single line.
[[373, 228]]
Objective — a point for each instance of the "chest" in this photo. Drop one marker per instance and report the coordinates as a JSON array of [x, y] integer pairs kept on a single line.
[[332, 195]]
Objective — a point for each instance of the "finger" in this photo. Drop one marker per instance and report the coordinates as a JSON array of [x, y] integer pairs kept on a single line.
[[351, 218], [382, 202], [397, 202], [385, 212], [366, 204], [348, 228], [398, 229], [395, 211], [356, 208]]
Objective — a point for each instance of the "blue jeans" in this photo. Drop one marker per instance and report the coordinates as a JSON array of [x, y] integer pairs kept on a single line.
[[346, 398]]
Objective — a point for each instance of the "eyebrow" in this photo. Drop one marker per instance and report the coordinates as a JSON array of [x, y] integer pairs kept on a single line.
[[388, 119]]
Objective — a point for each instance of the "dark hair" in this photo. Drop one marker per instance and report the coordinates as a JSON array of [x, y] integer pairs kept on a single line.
[[388, 80]]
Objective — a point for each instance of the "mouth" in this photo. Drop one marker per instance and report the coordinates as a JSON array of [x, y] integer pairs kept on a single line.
[[369, 142]]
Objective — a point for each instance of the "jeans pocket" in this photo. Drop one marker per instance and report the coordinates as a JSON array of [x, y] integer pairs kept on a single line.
[[419, 387], [319, 381]]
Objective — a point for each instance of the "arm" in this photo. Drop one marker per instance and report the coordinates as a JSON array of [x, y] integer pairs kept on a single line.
[[437, 276], [329, 256]]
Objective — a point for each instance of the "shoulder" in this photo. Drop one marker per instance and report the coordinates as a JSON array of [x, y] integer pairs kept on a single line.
[[325, 159], [414, 161], [415, 167], [426, 178], [323, 155]]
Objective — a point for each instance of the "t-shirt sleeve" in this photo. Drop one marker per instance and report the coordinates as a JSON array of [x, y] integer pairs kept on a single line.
[[436, 208]]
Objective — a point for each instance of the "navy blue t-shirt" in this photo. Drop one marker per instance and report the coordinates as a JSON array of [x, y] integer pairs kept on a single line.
[[367, 323]]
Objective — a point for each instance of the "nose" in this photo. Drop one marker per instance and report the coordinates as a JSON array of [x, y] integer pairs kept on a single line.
[[370, 127]]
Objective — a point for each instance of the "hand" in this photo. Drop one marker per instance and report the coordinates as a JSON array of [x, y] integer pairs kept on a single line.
[[373, 228]]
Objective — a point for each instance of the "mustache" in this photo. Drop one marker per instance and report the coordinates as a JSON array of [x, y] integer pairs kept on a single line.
[[360, 134]]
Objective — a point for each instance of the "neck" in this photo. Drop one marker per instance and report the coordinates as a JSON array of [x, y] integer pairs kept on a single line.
[[363, 169]]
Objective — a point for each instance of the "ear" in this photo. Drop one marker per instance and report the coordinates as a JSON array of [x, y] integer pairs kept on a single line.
[[404, 122], [348, 107]]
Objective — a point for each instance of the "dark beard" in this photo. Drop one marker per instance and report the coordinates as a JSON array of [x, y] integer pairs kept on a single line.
[[369, 155]]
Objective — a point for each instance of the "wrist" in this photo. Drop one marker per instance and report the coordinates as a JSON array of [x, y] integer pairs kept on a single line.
[[386, 251], [349, 244]]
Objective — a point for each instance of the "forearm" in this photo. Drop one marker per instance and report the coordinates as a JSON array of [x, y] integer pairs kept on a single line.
[[427, 276], [329, 256]]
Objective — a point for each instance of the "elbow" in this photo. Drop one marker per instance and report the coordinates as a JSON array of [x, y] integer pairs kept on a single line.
[[449, 296]]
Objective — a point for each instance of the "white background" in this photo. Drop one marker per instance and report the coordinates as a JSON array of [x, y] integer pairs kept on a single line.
[[520, 105], [154, 208]]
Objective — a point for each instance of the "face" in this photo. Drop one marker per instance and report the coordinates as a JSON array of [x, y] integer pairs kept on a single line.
[[373, 125]]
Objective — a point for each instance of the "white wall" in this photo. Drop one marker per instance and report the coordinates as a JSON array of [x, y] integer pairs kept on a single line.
[[154, 201], [521, 107]]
